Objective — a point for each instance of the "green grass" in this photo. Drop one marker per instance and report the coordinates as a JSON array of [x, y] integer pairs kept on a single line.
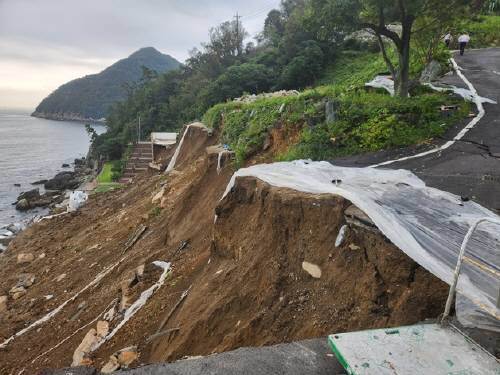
[[365, 121], [374, 121], [353, 68], [107, 178], [106, 173], [484, 31]]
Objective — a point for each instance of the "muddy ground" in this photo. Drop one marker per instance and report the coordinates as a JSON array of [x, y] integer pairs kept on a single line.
[[243, 272]]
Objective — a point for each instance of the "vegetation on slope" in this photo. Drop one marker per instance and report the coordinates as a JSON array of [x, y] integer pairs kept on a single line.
[[364, 120], [92, 96], [293, 52]]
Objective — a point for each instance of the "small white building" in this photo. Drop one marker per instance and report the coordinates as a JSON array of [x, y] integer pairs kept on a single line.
[[161, 143]]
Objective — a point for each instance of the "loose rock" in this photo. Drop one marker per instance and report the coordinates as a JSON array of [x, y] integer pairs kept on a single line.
[[23, 258], [111, 366], [127, 356], [3, 303], [17, 292], [312, 269], [23, 205], [102, 328], [88, 342], [25, 280]]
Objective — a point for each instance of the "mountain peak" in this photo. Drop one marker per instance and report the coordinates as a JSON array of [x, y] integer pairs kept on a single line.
[[90, 97], [146, 51]]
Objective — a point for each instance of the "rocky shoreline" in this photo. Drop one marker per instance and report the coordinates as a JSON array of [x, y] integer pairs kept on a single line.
[[67, 116], [55, 196]]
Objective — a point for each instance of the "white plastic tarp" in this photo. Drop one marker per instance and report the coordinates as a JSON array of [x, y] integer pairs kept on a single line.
[[428, 224], [76, 200]]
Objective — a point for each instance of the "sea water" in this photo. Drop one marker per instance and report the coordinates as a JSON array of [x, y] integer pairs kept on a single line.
[[33, 149]]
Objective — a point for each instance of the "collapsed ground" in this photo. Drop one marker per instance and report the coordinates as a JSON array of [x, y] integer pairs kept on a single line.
[[243, 272]]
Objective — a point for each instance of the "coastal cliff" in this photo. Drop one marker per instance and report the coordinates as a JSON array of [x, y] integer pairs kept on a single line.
[[67, 116]]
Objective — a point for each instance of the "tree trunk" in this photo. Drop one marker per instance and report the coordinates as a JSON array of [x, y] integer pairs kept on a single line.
[[402, 81]]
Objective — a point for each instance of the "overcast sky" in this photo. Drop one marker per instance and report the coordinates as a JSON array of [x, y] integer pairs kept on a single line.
[[45, 43]]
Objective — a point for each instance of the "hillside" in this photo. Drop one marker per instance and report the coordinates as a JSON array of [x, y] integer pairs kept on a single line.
[[91, 96]]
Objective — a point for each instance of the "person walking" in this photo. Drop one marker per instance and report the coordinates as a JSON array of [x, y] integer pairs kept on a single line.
[[447, 39], [462, 41]]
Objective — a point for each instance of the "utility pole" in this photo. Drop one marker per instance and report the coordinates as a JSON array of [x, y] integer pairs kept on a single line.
[[139, 131], [238, 47]]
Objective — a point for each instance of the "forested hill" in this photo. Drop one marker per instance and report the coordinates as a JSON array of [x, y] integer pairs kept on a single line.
[[91, 96]]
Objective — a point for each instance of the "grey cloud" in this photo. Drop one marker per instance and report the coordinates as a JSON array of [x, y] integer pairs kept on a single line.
[[91, 34]]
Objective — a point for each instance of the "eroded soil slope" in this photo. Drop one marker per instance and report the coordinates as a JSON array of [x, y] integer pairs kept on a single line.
[[242, 273]]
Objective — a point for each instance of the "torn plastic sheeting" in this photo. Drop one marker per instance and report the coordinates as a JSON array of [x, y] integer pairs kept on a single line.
[[466, 94], [481, 112], [76, 200], [139, 303], [173, 161], [382, 82], [54, 312], [427, 224]]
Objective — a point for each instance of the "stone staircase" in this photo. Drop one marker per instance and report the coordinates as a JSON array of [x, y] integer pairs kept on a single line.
[[138, 162]]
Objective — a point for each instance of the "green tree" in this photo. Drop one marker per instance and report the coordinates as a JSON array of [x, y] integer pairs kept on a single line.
[[304, 68], [378, 15]]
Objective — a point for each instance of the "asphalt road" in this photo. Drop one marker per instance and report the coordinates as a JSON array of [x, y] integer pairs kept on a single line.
[[471, 167], [311, 357]]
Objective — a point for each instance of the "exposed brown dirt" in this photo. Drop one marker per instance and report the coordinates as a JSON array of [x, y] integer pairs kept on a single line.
[[247, 285]]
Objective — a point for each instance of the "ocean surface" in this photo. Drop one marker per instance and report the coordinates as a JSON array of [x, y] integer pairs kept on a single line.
[[32, 149]]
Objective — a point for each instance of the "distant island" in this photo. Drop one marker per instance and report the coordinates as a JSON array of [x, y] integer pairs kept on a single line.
[[89, 98]]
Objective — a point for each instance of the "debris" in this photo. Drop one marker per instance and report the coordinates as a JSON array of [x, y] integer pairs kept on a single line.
[[110, 314], [125, 297], [25, 280], [42, 256], [88, 343], [3, 303], [169, 315], [76, 200], [157, 197], [181, 247], [48, 297], [122, 359], [102, 328], [74, 333], [341, 236], [140, 302], [135, 237], [139, 271], [354, 247], [127, 356], [111, 366], [354, 216], [312, 269], [25, 258], [61, 277], [162, 333], [17, 292]]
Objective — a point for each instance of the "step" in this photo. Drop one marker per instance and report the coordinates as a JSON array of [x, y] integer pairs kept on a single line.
[[136, 165], [140, 158], [417, 349]]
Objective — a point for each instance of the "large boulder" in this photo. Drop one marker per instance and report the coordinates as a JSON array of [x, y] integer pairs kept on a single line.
[[431, 72], [31, 199], [23, 205], [29, 195], [63, 181]]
